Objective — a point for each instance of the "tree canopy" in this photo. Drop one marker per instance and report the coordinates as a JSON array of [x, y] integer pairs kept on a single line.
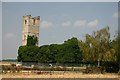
[[97, 49], [69, 51], [32, 40]]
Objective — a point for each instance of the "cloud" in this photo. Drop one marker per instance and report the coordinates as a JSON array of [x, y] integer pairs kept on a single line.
[[85, 23], [80, 23], [66, 24], [93, 23], [9, 35], [115, 15], [77, 23], [46, 24]]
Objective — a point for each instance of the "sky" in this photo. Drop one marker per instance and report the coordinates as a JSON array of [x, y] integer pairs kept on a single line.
[[59, 21], [0, 30]]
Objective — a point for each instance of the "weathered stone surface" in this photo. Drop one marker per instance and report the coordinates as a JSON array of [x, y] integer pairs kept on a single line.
[[30, 27]]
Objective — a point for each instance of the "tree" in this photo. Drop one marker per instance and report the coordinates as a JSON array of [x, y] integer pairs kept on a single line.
[[115, 44], [54, 50], [32, 40], [67, 52], [44, 52], [27, 53], [97, 47]]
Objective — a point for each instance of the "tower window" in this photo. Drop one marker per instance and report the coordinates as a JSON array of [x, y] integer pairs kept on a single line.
[[25, 21], [24, 36]]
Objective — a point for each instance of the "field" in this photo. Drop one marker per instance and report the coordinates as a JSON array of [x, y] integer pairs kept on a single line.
[[58, 74], [55, 73]]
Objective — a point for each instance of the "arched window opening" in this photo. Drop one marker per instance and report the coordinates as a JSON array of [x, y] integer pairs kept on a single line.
[[25, 21], [24, 36]]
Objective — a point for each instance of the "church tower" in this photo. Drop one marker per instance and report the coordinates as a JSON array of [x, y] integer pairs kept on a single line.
[[30, 27]]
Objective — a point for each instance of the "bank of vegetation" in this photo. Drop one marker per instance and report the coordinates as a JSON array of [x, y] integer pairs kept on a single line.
[[97, 50]]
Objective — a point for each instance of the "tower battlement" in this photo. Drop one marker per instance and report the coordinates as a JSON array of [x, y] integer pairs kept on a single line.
[[30, 26]]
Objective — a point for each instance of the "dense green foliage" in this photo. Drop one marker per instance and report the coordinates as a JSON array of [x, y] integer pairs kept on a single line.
[[99, 49], [98, 46], [32, 40], [96, 49], [27, 53], [69, 51]]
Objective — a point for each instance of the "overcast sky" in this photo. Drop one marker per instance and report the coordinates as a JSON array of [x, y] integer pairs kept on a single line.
[[0, 30], [59, 21]]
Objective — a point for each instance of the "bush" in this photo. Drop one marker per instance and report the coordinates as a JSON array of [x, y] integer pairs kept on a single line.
[[111, 67]]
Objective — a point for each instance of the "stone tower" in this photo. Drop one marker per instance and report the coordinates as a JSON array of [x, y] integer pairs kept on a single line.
[[30, 27]]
